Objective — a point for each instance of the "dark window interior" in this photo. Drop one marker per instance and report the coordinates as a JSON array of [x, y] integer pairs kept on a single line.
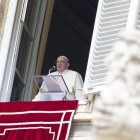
[[70, 33]]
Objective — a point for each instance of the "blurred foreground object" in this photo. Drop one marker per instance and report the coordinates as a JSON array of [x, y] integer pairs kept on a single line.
[[117, 112]]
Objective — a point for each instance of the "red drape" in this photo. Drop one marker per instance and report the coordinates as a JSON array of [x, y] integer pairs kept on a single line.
[[49, 120]]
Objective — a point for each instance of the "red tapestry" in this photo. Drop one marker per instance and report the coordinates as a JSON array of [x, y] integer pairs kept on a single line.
[[49, 120]]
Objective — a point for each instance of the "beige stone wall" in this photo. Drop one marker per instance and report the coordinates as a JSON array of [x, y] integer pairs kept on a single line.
[[3, 14]]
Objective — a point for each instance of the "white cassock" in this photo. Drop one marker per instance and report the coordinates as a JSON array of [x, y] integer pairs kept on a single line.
[[74, 83]]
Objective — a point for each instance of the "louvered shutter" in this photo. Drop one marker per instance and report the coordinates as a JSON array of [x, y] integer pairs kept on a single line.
[[138, 21], [111, 18]]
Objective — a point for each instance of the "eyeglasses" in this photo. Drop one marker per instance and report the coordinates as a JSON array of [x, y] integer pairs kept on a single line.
[[61, 62]]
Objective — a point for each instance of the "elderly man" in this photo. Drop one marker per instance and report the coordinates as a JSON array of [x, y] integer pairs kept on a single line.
[[72, 79]]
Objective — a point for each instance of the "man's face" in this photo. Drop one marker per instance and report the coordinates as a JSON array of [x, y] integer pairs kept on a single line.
[[62, 64]]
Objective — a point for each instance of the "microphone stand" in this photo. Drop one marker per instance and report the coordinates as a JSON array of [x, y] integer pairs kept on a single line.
[[53, 68]]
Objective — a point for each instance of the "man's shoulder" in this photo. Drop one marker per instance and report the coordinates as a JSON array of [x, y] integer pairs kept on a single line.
[[72, 72]]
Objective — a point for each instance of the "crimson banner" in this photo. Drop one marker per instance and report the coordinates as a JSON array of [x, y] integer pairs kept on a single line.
[[49, 120]]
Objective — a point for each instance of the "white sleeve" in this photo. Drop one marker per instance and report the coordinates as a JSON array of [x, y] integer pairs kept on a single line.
[[78, 87], [78, 82]]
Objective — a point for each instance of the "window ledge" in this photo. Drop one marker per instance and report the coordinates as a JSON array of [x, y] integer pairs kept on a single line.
[[85, 109]]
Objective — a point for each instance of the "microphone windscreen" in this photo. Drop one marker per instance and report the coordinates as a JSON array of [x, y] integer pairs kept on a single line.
[[54, 67]]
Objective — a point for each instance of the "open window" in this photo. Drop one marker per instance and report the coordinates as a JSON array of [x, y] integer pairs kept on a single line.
[[28, 50], [22, 53], [112, 18], [36, 36]]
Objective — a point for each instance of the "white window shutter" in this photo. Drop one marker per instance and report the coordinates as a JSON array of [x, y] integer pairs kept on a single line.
[[111, 18], [138, 21]]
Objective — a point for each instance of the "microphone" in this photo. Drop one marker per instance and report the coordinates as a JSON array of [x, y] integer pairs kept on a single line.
[[52, 69]]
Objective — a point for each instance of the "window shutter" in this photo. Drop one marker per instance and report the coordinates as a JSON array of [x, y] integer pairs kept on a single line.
[[111, 18], [138, 21]]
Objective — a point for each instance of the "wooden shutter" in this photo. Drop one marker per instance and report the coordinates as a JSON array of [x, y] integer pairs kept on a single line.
[[111, 18]]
